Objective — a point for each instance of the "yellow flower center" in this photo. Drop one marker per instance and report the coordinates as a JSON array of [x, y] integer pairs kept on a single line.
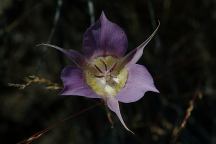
[[99, 75]]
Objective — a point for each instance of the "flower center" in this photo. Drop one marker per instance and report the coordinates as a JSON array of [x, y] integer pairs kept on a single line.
[[99, 75]]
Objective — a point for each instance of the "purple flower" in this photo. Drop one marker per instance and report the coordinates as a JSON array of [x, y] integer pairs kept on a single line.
[[102, 71]]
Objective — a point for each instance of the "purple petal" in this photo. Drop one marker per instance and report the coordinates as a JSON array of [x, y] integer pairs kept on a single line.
[[134, 55], [77, 58], [104, 38], [139, 81], [74, 83], [113, 105]]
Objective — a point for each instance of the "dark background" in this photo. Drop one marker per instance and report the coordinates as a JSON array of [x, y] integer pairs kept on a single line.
[[181, 59]]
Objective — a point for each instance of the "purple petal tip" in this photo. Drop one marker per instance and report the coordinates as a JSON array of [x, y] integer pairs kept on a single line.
[[113, 105], [104, 38]]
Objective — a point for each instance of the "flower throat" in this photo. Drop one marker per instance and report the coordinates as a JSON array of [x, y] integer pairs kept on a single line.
[[99, 75]]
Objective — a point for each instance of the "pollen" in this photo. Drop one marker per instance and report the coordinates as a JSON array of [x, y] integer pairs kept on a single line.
[[100, 76]]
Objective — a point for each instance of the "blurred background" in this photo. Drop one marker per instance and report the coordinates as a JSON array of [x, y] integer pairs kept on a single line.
[[181, 59]]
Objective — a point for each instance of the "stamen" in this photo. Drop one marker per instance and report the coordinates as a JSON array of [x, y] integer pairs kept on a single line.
[[104, 64], [98, 76], [98, 69], [113, 67]]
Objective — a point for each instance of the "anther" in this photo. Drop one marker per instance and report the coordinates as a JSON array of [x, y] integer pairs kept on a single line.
[[98, 69], [98, 76], [104, 64], [113, 67]]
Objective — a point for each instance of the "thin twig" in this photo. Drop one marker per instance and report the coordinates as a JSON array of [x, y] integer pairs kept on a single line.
[[38, 135], [158, 44], [36, 80], [55, 20], [91, 11], [178, 129]]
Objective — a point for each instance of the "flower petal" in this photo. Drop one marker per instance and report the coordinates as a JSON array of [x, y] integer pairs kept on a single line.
[[139, 81], [77, 58], [104, 38], [113, 105], [133, 56], [74, 83]]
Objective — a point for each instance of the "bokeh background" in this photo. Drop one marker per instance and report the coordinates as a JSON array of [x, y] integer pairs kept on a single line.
[[181, 59]]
